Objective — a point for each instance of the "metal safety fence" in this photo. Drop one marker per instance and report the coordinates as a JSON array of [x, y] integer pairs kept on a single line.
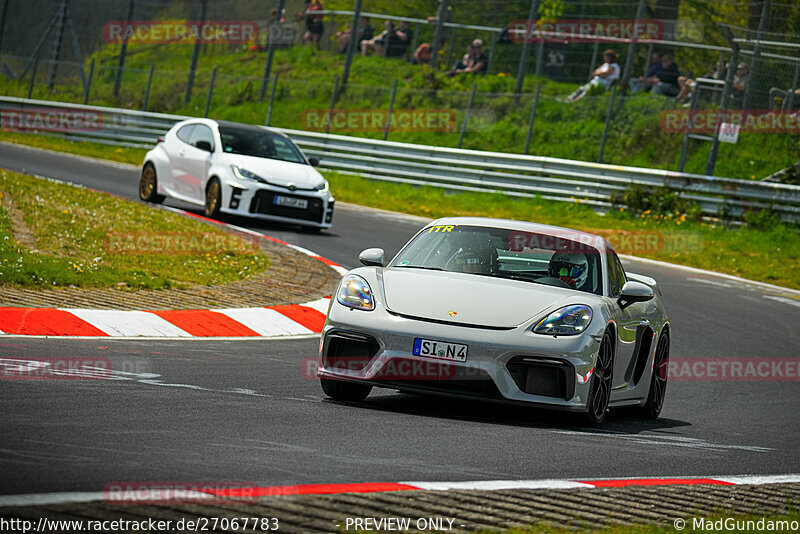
[[519, 175]]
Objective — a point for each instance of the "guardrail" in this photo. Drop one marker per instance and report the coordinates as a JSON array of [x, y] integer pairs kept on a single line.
[[518, 175]]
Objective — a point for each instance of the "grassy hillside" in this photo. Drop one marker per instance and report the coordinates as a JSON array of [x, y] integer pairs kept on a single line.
[[498, 121]]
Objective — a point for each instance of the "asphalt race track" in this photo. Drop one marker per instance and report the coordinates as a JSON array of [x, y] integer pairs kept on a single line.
[[205, 410]]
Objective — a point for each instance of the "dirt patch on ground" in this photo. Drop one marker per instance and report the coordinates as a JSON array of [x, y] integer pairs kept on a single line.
[[19, 228]]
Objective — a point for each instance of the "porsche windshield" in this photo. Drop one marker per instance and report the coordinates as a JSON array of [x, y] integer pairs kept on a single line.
[[502, 253], [260, 144]]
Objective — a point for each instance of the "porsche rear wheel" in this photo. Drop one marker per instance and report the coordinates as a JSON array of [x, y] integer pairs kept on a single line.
[[148, 185], [658, 384], [600, 387], [344, 391], [213, 199]]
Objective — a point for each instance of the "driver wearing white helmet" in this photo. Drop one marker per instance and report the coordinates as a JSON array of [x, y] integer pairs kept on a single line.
[[572, 268]]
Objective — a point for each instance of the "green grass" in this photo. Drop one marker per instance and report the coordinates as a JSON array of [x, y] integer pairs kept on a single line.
[[767, 252], [59, 235], [498, 121], [768, 255]]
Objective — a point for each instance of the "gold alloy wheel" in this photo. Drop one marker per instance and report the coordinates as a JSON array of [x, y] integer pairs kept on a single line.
[[211, 197], [148, 183]]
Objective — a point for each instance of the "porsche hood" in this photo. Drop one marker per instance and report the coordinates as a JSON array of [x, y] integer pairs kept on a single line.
[[467, 299]]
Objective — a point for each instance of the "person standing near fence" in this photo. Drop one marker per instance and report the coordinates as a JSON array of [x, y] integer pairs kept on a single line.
[[314, 25]]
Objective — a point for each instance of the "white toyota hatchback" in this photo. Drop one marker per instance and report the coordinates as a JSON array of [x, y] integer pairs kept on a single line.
[[237, 169]]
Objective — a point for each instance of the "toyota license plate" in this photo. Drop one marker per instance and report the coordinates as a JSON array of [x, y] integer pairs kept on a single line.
[[440, 349], [291, 202]]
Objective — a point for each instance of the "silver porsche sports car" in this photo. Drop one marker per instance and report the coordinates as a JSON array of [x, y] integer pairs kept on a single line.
[[501, 310]]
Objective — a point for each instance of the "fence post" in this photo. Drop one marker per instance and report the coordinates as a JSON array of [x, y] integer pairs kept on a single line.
[[123, 51], [526, 45], [389, 114], [272, 98], [795, 81], [88, 86], [466, 115], [147, 89], [451, 47], [33, 76], [626, 71], [608, 121], [762, 25], [437, 34], [689, 129], [352, 44], [3, 22], [647, 61], [196, 52], [271, 50], [595, 51], [723, 106], [414, 41], [210, 90], [539, 55], [533, 117], [491, 53], [333, 103]]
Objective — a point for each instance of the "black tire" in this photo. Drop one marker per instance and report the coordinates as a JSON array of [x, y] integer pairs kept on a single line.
[[600, 386], [213, 199], [344, 391], [148, 185], [658, 383]]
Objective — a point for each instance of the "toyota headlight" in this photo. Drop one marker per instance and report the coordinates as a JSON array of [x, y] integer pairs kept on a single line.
[[354, 292], [323, 187], [244, 174], [566, 321]]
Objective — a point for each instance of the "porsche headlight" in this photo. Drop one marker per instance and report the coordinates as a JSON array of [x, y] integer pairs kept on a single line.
[[354, 292], [244, 174], [323, 186], [567, 321]]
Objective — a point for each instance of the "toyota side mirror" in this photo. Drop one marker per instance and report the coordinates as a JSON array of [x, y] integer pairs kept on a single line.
[[314, 162], [203, 145], [372, 257]]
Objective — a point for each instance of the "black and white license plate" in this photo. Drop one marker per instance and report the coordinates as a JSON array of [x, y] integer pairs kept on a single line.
[[290, 202], [440, 349]]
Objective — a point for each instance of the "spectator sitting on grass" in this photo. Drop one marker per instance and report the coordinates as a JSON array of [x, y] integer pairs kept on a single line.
[[646, 82], [668, 78], [423, 54], [388, 35], [365, 33], [604, 76], [687, 85], [399, 44], [474, 61]]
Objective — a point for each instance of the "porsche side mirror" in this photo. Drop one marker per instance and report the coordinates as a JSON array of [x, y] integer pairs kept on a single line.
[[314, 162], [372, 257], [203, 145], [634, 292]]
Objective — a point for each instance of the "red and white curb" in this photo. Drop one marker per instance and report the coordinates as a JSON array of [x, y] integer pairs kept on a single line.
[[273, 321], [379, 487]]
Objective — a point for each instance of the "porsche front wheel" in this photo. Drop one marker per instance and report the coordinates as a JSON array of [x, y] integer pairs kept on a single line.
[[600, 387]]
